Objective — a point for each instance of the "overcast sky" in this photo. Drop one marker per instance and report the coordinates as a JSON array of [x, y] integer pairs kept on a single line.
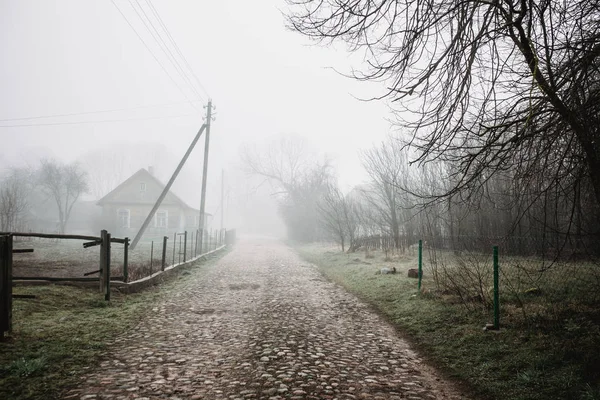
[[81, 56]]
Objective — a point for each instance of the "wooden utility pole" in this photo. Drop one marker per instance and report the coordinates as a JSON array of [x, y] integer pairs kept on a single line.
[[169, 184], [204, 172]]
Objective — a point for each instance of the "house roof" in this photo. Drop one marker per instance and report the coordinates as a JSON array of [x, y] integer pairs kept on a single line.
[[142, 174]]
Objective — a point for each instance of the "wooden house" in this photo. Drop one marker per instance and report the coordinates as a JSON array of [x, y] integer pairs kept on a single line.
[[126, 207]]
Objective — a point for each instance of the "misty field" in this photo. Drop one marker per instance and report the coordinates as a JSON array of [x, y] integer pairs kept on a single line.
[[61, 258], [548, 346]]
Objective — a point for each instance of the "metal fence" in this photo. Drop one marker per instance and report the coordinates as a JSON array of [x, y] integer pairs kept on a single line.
[[533, 283], [153, 254]]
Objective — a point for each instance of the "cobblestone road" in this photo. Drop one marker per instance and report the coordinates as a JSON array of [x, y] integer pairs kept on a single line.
[[261, 324]]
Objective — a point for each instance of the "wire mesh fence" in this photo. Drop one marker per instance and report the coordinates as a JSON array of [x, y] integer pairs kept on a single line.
[[539, 285], [542, 282]]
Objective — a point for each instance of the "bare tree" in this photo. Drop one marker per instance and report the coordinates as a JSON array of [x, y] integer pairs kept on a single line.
[[388, 167], [64, 183], [484, 85], [299, 179], [14, 191], [106, 168], [340, 216]]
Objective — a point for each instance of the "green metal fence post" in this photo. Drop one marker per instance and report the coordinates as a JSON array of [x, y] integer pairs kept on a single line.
[[420, 263], [496, 291]]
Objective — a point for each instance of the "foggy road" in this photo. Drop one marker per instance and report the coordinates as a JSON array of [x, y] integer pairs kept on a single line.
[[261, 324]]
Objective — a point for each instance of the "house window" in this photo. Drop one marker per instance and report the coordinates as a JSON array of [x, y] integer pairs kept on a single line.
[[123, 217], [161, 219], [142, 187]]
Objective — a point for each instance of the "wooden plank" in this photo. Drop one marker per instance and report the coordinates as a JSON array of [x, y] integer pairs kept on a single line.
[[50, 235], [56, 279], [23, 296], [60, 236], [91, 244]]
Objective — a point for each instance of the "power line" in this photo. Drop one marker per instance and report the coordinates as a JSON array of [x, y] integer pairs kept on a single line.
[[152, 53], [98, 121], [151, 28], [164, 47], [164, 26], [92, 112]]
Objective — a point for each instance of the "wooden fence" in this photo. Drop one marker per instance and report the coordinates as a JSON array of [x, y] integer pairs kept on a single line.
[[199, 243], [6, 266]]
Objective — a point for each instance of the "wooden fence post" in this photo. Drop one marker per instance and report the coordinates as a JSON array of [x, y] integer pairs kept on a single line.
[[192, 255], [164, 253], [126, 260], [174, 246], [103, 253], [6, 247], [179, 251], [184, 245], [107, 295]]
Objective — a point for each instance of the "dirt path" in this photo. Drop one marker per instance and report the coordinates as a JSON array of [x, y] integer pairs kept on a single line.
[[261, 324]]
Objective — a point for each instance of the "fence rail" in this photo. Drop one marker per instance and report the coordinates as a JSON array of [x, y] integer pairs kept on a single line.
[[185, 244]]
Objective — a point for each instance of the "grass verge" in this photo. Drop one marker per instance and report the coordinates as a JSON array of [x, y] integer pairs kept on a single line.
[[515, 363], [63, 332]]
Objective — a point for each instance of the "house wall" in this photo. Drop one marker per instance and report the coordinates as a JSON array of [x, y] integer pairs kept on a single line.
[[132, 192], [137, 215], [138, 195]]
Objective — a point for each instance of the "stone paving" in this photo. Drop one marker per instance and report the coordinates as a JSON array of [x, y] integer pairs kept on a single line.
[[261, 324]]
